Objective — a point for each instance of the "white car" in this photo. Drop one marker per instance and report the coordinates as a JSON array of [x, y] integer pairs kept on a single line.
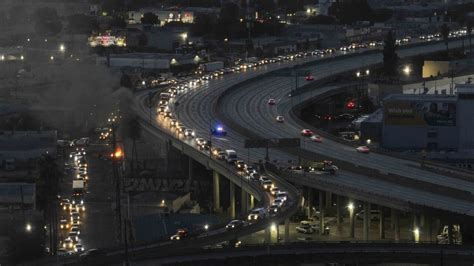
[[280, 119]]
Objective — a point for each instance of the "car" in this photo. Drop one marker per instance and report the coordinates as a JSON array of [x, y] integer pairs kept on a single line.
[[62, 202], [363, 149], [267, 184], [204, 146], [296, 169], [282, 195], [67, 206], [239, 164], [74, 236], [374, 215], [256, 214], [316, 138], [280, 119], [279, 202], [168, 114], [75, 229], [235, 224], [173, 122], [248, 169], [215, 151], [306, 133], [68, 244], [200, 141], [254, 176], [309, 78], [80, 208], [82, 176], [305, 228], [64, 223], [78, 248], [189, 133], [180, 234], [273, 209], [271, 102], [221, 155], [274, 190], [219, 131]]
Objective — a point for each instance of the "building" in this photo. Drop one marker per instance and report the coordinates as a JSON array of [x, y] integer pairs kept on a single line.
[[164, 15], [432, 122], [20, 149], [155, 61]]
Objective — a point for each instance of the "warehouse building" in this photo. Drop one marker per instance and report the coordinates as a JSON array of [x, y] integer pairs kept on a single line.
[[432, 122]]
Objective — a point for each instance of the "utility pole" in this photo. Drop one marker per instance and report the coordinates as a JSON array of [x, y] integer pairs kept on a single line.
[[116, 179]]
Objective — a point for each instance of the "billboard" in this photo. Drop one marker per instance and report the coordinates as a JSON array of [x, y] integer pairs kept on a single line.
[[420, 113]]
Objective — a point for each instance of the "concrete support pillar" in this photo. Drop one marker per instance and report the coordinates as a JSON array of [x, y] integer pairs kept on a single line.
[[328, 199], [366, 220], [216, 189], [232, 200], [382, 225], [429, 229], [416, 228], [396, 225], [252, 202], [392, 218], [268, 235], [309, 205], [338, 213], [287, 230], [244, 202], [351, 218], [321, 212], [190, 169], [450, 233]]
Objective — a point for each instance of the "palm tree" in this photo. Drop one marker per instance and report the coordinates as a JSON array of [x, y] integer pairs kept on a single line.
[[445, 34]]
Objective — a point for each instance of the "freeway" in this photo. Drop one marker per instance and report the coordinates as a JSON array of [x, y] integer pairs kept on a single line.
[[234, 98], [327, 252]]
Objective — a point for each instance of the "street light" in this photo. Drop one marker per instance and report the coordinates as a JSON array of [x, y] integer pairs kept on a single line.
[[350, 206], [416, 234], [51, 58], [407, 70], [206, 227], [367, 72], [62, 48], [28, 227], [358, 74]]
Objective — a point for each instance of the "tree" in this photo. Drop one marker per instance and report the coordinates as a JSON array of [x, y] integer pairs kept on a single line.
[[82, 24], [203, 25], [150, 18], [390, 57], [445, 33], [17, 14], [348, 12], [126, 81], [113, 5], [229, 12], [117, 22], [47, 22], [142, 40], [321, 19]]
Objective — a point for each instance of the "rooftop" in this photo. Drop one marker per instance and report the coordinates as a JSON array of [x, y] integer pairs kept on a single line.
[[420, 97], [27, 140]]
